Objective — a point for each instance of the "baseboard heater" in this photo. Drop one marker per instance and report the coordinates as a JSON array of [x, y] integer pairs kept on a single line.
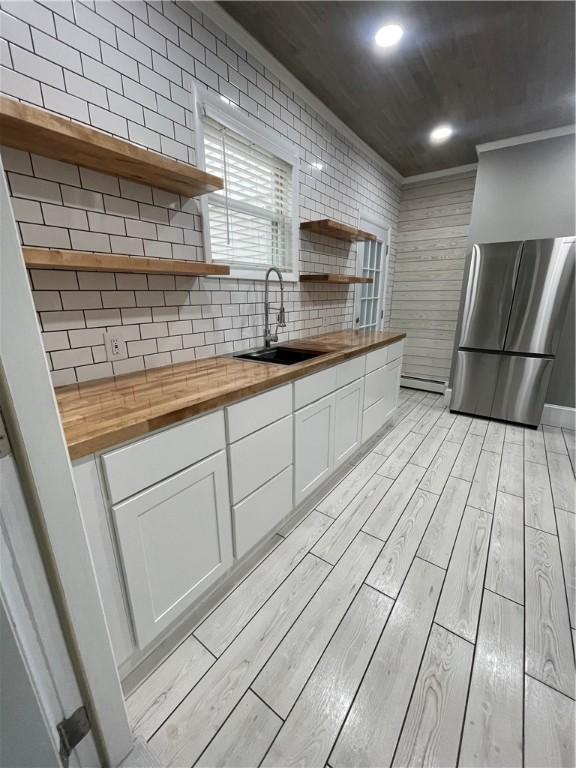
[[419, 382]]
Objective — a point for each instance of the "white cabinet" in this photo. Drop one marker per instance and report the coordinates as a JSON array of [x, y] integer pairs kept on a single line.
[[313, 446], [257, 458], [262, 511], [348, 423], [380, 397], [175, 540]]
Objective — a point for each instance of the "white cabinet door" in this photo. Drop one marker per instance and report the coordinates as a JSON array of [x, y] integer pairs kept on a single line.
[[313, 446], [348, 423], [175, 541], [391, 388]]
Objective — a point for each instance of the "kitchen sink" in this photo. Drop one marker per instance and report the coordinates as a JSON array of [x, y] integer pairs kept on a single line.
[[279, 355]]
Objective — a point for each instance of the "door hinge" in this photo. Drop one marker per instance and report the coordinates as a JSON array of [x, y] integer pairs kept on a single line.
[[5, 447], [72, 730]]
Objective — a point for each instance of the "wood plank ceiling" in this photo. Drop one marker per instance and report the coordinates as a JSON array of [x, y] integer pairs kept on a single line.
[[491, 69]]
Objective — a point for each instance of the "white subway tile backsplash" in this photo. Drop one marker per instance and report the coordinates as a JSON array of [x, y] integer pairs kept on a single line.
[[56, 51], [15, 31], [46, 300], [96, 281], [36, 67], [62, 321], [20, 86], [55, 340], [65, 104], [130, 246], [107, 76], [60, 216], [81, 299], [118, 298], [46, 237], [99, 371], [86, 89], [35, 14], [95, 24], [90, 241], [105, 120], [27, 210], [103, 222], [129, 68], [99, 318]]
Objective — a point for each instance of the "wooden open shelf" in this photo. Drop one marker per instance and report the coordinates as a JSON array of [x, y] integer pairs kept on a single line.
[[83, 261], [36, 130], [325, 277], [337, 230]]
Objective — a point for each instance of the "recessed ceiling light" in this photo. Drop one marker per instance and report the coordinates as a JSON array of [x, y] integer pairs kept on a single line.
[[388, 35], [441, 133], [318, 166]]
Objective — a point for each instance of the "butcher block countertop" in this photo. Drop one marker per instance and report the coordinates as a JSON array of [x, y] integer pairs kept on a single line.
[[103, 413]]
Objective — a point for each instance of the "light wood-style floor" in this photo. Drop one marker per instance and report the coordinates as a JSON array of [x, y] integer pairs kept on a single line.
[[422, 614]]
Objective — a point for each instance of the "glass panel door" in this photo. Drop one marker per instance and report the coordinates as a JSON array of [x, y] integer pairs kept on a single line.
[[369, 297]]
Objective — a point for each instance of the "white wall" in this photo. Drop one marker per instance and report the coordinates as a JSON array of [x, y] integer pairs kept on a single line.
[[127, 68]]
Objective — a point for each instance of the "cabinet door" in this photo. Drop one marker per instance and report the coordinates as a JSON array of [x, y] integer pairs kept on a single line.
[[313, 446], [348, 424], [391, 387], [175, 541]]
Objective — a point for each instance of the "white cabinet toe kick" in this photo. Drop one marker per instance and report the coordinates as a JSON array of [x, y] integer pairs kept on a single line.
[[169, 515]]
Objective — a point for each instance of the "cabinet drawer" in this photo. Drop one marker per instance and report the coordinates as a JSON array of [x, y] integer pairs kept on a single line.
[[146, 462], [257, 412], [395, 350], [175, 541], [314, 387], [350, 371], [376, 359], [258, 457], [262, 511]]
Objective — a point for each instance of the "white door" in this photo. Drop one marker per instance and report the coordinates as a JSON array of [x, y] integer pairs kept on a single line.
[[373, 263], [27, 399], [38, 686], [348, 426], [175, 541], [313, 446]]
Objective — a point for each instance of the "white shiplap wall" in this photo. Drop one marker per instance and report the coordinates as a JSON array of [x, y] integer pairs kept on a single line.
[[127, 68], [431, 243]]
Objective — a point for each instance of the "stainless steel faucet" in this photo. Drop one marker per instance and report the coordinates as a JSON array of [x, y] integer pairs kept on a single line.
[[281, 317]]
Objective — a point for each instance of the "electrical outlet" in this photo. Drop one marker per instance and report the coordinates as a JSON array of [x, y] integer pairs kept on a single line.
[[115, 347]]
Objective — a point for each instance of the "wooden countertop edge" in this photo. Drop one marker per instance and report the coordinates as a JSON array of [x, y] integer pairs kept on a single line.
[[167, 415]]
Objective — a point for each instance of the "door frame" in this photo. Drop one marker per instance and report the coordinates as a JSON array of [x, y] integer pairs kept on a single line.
[[38, 442], [383, 230]]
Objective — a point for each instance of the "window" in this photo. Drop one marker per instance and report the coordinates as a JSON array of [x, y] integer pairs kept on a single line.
[[250, 224]]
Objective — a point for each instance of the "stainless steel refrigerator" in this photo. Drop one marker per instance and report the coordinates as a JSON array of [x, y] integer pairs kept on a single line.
[[515, 305]]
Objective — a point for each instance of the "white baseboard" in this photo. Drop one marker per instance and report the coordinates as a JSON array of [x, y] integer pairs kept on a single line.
[[552, 415], [424, 384], [558, 416]]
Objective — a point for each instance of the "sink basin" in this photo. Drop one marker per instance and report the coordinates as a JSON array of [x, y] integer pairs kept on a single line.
[[279, 355]]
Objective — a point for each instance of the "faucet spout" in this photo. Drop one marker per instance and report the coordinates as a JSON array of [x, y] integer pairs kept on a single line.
[[281, 317]]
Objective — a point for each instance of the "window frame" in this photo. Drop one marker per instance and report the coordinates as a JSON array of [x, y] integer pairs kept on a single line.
[[230, 116]]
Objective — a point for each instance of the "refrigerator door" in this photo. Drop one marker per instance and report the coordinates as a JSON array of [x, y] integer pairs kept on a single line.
[[489, 293], [521, 389], [545, 279], [474, 384]]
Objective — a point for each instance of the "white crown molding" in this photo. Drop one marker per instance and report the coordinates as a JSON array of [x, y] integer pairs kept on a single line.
[[231, 27], [526, 138], [440, 174]]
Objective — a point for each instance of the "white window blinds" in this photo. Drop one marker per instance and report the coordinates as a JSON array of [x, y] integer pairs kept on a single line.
[[250, 219]]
